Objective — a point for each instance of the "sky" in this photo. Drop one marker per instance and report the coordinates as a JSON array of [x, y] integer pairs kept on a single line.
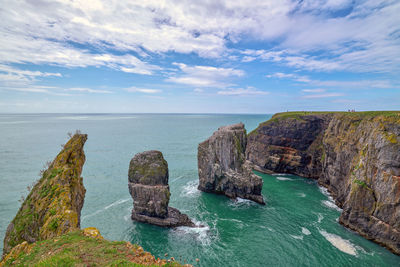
[[212, 56]]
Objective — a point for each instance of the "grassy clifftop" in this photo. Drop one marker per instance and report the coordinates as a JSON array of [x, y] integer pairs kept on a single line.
[[81, 248]]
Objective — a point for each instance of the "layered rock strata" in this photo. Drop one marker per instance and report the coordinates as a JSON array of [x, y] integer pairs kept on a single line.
[[355, 155], [223, 168], [148, 186], [53, 206]]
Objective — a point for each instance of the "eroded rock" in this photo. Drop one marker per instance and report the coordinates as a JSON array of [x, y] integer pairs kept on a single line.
[[148, 186], [356, 155], [223, 168], [53, 207]]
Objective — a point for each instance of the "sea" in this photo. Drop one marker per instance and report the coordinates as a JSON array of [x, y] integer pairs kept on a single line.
[[298, 226]]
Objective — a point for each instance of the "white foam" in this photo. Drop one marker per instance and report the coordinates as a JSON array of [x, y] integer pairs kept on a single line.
[[200, 232], [320, 217], [241, 202], [305, 231], [300, 237], [342, 244], [284, 178], [331, 204], [301, 194], [190, 189]]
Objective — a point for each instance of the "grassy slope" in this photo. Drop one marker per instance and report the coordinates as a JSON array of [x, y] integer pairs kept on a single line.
[[82, 248], [351, 115]]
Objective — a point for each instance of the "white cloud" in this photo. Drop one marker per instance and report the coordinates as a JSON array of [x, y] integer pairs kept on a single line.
[[142, 90], [198, 90], [323, 95], [312, 35], [205, 76], [366, 84], [313, 90], [249, 91], [88, 90]]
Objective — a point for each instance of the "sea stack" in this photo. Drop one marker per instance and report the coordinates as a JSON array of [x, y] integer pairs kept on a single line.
[[53, 206], [223, 168], [148, 186]]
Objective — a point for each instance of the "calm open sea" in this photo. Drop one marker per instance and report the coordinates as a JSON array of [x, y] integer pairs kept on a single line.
[[297, 227]]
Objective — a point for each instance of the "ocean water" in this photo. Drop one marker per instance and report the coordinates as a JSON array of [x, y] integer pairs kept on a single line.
[[298, 226]]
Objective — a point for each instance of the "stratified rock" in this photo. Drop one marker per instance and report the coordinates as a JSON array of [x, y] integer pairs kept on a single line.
[[223, 168], [53, 206], [356, 155], [148, 186]]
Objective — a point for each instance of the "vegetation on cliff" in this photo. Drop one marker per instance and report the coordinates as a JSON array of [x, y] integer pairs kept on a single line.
[[54, 204], [81, 248], [356, 155], [46, 230]]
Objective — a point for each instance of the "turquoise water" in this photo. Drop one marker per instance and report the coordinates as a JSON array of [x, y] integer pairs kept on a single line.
[[297, 227]]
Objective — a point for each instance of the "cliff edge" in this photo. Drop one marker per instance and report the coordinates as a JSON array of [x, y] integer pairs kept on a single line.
[[356, 155], [53, 206], [223, 168]]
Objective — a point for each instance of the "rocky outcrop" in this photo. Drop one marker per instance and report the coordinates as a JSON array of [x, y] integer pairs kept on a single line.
[[148, 186], [53, 206], [355, 155], [223, 168]]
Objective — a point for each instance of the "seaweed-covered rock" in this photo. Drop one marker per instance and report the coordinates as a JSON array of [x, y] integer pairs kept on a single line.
[[223, 168], [53, 206], [148, 186]]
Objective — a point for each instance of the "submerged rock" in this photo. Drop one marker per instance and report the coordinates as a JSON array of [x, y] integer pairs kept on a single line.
[[223, 168], [53, 207], [356, 155], [148, 186]]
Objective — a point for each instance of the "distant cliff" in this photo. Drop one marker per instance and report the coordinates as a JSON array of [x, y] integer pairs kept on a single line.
[[356, 155], [223, 168]]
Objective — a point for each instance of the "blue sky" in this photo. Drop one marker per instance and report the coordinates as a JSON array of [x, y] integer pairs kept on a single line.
[[199, 56]]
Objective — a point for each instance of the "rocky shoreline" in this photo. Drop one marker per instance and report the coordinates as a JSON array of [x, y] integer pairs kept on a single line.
[[356, 156]]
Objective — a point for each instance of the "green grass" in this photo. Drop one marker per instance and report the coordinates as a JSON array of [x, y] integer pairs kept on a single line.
[[75, 249], [357, 116]]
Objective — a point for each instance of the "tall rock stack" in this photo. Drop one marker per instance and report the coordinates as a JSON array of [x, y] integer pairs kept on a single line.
[[148, 186], [53, 206], [223, 168]]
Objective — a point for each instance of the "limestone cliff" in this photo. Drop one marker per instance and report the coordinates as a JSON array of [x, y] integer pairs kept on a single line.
[[53, 206], [355, 155], [223, 168], [148, 185]]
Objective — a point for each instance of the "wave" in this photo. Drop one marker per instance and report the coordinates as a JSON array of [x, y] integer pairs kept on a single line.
[[320, 217], [342, 244], [300, 237], [241, 202], [284, 178], [305, 231], [118, 202], [331, 204], [200, 232], [301, 194], [190, 189]]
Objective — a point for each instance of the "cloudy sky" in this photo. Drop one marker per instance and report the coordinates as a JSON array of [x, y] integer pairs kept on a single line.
[[248, 56]]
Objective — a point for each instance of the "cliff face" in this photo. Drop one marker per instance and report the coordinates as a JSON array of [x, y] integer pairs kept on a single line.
[[223, 168], [291, 144], [148, 185], [355, 155], [53, 206]]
